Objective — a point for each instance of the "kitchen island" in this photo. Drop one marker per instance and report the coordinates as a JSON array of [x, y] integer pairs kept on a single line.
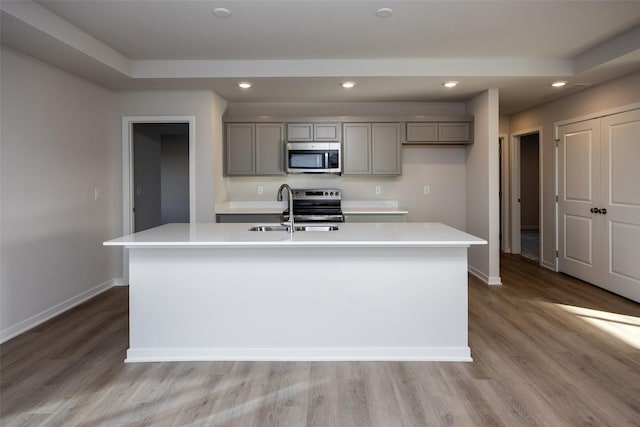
[[367, 291]]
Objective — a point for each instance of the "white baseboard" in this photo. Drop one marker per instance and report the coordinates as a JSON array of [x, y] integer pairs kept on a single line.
[[550, 265], [433, 354], [489, 280], [33, 321]]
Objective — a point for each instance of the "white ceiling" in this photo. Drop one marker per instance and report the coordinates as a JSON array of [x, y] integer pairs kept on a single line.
[[300, 50]]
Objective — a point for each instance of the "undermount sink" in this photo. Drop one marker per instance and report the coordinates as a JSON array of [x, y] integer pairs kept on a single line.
[[269, 228], [316, 227], [297, 228]]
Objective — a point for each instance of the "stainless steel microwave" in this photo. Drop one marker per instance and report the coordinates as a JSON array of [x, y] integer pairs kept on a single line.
[[314, 157]]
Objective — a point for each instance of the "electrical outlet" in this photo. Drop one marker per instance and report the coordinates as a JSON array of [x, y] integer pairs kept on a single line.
[[427, 190], [260, 190], [378, 189]]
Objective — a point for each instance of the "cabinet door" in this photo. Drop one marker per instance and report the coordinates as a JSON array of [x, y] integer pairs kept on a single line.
[[326, 131], [422, 132], [356, 147], [385, 149], [454, 132], [300, 132], [240, 149], [269, 149]]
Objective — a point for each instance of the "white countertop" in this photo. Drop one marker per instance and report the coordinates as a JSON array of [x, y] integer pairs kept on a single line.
[[214, 235]]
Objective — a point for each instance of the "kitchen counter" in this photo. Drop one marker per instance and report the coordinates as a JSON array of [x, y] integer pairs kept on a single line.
[[392, 291], [348, 235]]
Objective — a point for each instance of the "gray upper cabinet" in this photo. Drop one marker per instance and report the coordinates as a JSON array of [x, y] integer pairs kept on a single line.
[[240, 149], [438, 133], [422, 132], [269, 149], [386, 149], [255, 149], [313, 132], [454, 132], [356, 149], [371, 149]]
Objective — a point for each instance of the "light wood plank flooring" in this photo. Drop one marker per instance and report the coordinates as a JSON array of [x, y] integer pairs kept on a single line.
[[548, 350]]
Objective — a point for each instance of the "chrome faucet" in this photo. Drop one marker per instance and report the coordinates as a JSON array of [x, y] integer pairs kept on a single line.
[[290, 224]]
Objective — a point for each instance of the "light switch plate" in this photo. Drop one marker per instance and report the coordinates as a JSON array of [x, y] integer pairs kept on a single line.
[[260, 190], [378, 189], [427, 190]]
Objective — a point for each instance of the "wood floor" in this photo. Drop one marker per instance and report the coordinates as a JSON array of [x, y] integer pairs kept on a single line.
[[548, 350]]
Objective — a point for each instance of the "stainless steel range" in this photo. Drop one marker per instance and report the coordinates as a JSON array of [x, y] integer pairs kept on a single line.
[[316, 205]]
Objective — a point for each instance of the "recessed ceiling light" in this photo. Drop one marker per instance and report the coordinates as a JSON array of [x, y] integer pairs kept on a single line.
[[244, 85], [450, 84], [222, 12], [348, 85], [384, 12], [558, 84]]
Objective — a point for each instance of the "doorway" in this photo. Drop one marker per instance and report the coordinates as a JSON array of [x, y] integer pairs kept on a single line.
[[160, 174], [128, 167], [526, 200], [530, 196]]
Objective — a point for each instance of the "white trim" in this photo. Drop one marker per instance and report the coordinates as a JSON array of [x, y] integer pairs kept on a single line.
[[435, 354], [515, 194], [127, 172], [600, 114], [505, 205], [37, 319], [550, 266], [488, 280]]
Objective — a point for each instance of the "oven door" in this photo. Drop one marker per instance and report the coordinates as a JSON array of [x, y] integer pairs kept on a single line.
[[305, 157]]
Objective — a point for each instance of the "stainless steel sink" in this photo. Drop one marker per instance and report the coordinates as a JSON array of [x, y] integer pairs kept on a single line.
[[316, 227], [297, 228], [269, 228]]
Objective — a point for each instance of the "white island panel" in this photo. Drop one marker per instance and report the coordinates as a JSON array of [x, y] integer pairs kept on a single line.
[[316, 304]]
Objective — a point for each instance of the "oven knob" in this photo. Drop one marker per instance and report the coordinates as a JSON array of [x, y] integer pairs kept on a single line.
[[337, 193], [326, 193], [331, 194]]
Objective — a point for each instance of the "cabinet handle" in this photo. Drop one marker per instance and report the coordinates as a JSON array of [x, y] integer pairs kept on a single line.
[[602, 211]]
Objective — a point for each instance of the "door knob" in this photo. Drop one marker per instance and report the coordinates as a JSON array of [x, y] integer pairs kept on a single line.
[[602, 211], [594, 210]]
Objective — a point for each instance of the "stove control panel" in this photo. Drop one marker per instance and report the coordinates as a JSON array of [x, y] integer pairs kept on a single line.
[[317, 194]]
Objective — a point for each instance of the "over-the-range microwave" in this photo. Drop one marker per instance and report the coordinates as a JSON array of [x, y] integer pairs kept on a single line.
[[314, 157]]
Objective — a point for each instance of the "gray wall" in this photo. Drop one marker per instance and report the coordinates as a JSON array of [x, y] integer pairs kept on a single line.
[[147, 188], [57, 147], [174, 178]]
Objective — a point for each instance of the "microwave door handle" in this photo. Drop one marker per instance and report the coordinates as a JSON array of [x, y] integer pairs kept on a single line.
[[326, 159]]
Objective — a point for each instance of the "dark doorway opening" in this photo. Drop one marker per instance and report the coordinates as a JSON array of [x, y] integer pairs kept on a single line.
[[160, 174], [530, 196]]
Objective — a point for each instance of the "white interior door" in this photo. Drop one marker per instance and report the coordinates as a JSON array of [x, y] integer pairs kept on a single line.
[[621, 199], [578, 195]]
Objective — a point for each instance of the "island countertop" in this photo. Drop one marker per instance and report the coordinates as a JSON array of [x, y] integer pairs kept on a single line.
[[214, 235]]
